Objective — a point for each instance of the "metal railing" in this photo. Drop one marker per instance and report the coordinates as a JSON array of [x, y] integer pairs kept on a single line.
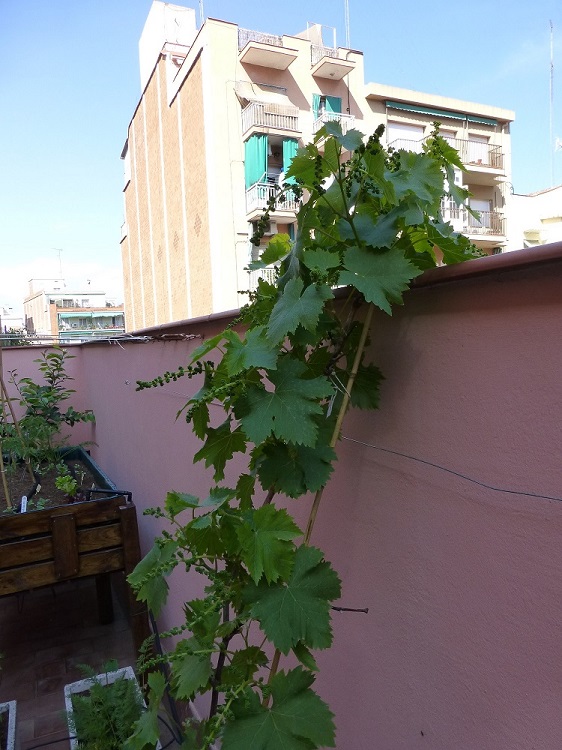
[[472, 153], [346, 121], [317, 52], [259, 194], [268, 274], [246, 35], [270, 115], [487, 223]]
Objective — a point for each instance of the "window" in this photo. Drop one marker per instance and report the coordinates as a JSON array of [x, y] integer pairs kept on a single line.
[[322, 104]]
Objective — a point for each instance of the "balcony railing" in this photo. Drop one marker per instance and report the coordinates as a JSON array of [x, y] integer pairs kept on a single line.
[[268, 274], [270, 115], [246, 35], [346, 121], [259, 194], [317, 52], [472, 153], [488, 223]]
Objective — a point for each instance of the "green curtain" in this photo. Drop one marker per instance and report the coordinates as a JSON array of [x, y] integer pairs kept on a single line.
[[315, 105], [255, 159], [290, 146], [333, 104]]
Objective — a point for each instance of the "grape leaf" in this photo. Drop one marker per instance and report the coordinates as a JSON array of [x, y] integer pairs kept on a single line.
[[295, 469], [178, 501], [320, 260], [298, 610], [295, 307], [277, 248], [147, 728], [380, 277], [243, 666], [191, 669], [266, 543], [297, 720], [287, 412], [350, 140], [254, 351], [220, 446], [417, 175], [148, 576]]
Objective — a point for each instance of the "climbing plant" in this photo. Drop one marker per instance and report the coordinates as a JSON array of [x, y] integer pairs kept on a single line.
[[284, 374]]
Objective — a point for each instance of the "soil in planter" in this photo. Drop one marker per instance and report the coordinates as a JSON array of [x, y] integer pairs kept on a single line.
[[48, 495]]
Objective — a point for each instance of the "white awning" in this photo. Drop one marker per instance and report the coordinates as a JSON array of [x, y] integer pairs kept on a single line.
[[247, 91]]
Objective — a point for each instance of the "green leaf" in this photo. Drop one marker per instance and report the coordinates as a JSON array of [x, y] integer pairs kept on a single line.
[[295, 469], [147, 728], [245, 663], [305, 657], [350, 141], [287, 412], [220, 446], [178, 501], [191, 668], [298, 610], [206, 347], [365, 393], [245, 489], [148, 576], [380, 277], [297, 720], [218, 496], [266, 543], [320, 260], [418, 175], [374, 229], [253, 351], [277, 248], [295, 307]]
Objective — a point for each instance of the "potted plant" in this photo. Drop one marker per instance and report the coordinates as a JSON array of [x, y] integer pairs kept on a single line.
[[81, 525], [103, 709], [7, 721], [34, 446]]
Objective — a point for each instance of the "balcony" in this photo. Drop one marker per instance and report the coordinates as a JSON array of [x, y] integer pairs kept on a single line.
[[259, 194], [265, 50], [490, 224], [346, 121], [268, 274], [327, 63], [270, 115]]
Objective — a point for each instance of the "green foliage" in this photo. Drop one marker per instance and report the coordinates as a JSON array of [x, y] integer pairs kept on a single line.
[[281, 374], [40, 434], [104, 717]]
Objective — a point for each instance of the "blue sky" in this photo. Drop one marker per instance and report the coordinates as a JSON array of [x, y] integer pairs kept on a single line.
[[69, 83]]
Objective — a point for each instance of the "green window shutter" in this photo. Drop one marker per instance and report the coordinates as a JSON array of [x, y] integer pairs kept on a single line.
[[315, 105], [290, 146], [333, 104], [255, 159]]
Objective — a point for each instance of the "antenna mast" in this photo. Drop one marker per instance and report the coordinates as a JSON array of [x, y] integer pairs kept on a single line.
[[347, 36], [552, 147]]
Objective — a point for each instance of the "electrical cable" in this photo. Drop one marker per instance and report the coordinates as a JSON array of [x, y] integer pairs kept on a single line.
[[453, 472]]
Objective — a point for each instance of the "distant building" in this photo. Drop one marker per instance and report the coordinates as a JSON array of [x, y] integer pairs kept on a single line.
[[223, 110], [57, 313], [535, 219]]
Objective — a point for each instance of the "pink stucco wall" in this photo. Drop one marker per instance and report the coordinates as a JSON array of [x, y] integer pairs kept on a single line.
[[461, 647]]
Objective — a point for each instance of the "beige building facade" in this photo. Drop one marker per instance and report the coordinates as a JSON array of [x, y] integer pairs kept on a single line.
[[222, 112]]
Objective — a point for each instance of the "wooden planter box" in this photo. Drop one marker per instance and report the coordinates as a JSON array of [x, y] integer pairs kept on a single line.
[[8, 711], [83, 686], [91, 538]]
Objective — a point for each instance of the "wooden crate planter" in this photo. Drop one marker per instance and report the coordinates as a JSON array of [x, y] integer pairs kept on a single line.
[[92, 538], [83, 686], [8, 712]]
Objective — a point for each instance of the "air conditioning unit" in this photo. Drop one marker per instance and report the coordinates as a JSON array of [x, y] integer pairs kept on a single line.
[[270, 228]]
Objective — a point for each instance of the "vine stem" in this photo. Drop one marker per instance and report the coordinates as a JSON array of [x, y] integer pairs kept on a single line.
[[333, 441]]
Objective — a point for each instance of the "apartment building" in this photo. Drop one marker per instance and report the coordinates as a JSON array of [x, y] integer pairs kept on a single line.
[[223, 110], [535, 219], [54, 312]]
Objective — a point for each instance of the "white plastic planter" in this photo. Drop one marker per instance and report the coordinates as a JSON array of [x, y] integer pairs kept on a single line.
[[82, 686], [8, 711]]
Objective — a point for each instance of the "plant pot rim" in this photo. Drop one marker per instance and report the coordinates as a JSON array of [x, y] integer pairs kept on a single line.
[[105, 678], [9, 707]]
